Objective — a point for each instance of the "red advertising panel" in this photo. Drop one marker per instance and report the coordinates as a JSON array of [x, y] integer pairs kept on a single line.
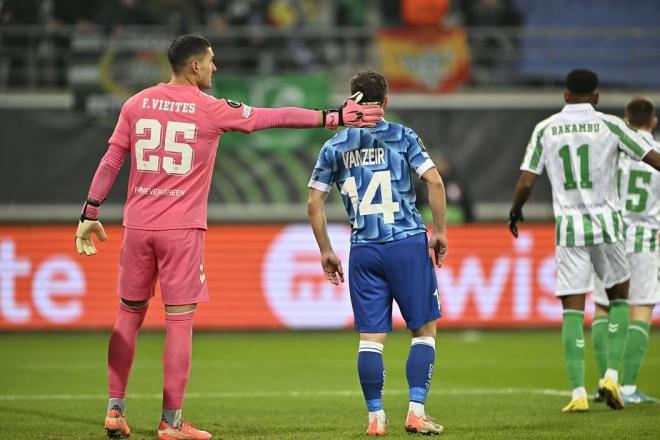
[[270, 277]]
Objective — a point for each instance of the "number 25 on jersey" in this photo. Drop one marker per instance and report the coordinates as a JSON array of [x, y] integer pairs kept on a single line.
[[153, 162]]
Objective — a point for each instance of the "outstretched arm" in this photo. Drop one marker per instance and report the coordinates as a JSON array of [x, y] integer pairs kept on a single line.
[[521, 194], [351, 114], [438, 204], [329, 261]]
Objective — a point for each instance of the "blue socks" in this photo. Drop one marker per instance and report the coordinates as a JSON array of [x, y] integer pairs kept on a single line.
[[419, 368], [419, 372], [372, 373]]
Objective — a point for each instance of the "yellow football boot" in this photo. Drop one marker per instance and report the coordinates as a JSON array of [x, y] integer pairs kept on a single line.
[[581, 404]]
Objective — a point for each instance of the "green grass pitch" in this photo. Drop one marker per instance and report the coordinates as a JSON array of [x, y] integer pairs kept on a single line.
[[487, 385]]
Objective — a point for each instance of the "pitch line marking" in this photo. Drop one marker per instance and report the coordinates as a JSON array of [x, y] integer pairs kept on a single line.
[[266, 394]]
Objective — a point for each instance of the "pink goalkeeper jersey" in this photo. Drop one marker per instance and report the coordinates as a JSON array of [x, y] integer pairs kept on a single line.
[[172, 134]]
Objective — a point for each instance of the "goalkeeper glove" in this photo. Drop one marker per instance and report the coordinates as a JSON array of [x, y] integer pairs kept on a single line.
[[87, 225], [353, 114], [514, 217]]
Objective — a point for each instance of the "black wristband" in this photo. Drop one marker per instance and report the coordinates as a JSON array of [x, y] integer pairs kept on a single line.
[[95, 204], [340, 119]]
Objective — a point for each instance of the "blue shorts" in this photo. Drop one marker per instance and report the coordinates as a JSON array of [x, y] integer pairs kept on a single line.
[[401, 270]]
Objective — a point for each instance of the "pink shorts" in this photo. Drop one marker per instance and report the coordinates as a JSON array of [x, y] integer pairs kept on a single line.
[[175, 257]]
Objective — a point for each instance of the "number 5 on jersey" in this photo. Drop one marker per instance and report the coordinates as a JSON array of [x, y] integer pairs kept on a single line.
[[152, 162], [638, 186], [380, 179]]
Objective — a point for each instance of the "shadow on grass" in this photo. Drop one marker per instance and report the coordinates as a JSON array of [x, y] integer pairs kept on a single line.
[[57, 417], [287, 432]]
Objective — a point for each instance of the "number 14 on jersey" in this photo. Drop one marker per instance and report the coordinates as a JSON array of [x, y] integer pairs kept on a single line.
[[380, 180]]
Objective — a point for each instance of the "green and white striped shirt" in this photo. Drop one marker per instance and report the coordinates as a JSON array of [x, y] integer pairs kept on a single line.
[[580, 148], [639, 186]]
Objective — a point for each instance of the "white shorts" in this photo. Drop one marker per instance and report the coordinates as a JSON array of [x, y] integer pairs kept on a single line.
[[644, 281], [576, 265]]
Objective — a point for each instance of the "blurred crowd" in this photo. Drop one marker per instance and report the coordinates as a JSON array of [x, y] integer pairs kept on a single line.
[[181, 16], [45, 27]]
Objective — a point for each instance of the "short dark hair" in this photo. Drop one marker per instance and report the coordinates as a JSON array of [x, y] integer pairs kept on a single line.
[[640, 112], [185, 47], [582, 82], [372, 84]]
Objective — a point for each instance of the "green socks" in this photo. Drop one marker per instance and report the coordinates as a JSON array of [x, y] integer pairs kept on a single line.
[[599, 340], [638, 341], [617, 330], [572, 336], [615, 340]]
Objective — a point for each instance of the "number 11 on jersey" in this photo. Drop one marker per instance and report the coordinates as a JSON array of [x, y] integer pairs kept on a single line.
[[380, 179], [583, 155]]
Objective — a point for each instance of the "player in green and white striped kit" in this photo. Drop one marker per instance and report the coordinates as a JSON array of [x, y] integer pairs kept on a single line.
[[639, 187], [579, 147]]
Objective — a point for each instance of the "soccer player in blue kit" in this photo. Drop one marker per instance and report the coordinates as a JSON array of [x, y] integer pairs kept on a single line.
[[389, 258]]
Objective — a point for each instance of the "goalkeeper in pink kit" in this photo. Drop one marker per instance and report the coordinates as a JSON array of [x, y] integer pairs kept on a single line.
[[171, 131]]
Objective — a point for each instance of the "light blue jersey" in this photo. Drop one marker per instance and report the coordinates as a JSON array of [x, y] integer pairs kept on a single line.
[[371, 167]]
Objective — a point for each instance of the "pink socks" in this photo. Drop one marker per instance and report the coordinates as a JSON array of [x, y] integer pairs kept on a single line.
[[177, 357], [121, 349]]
